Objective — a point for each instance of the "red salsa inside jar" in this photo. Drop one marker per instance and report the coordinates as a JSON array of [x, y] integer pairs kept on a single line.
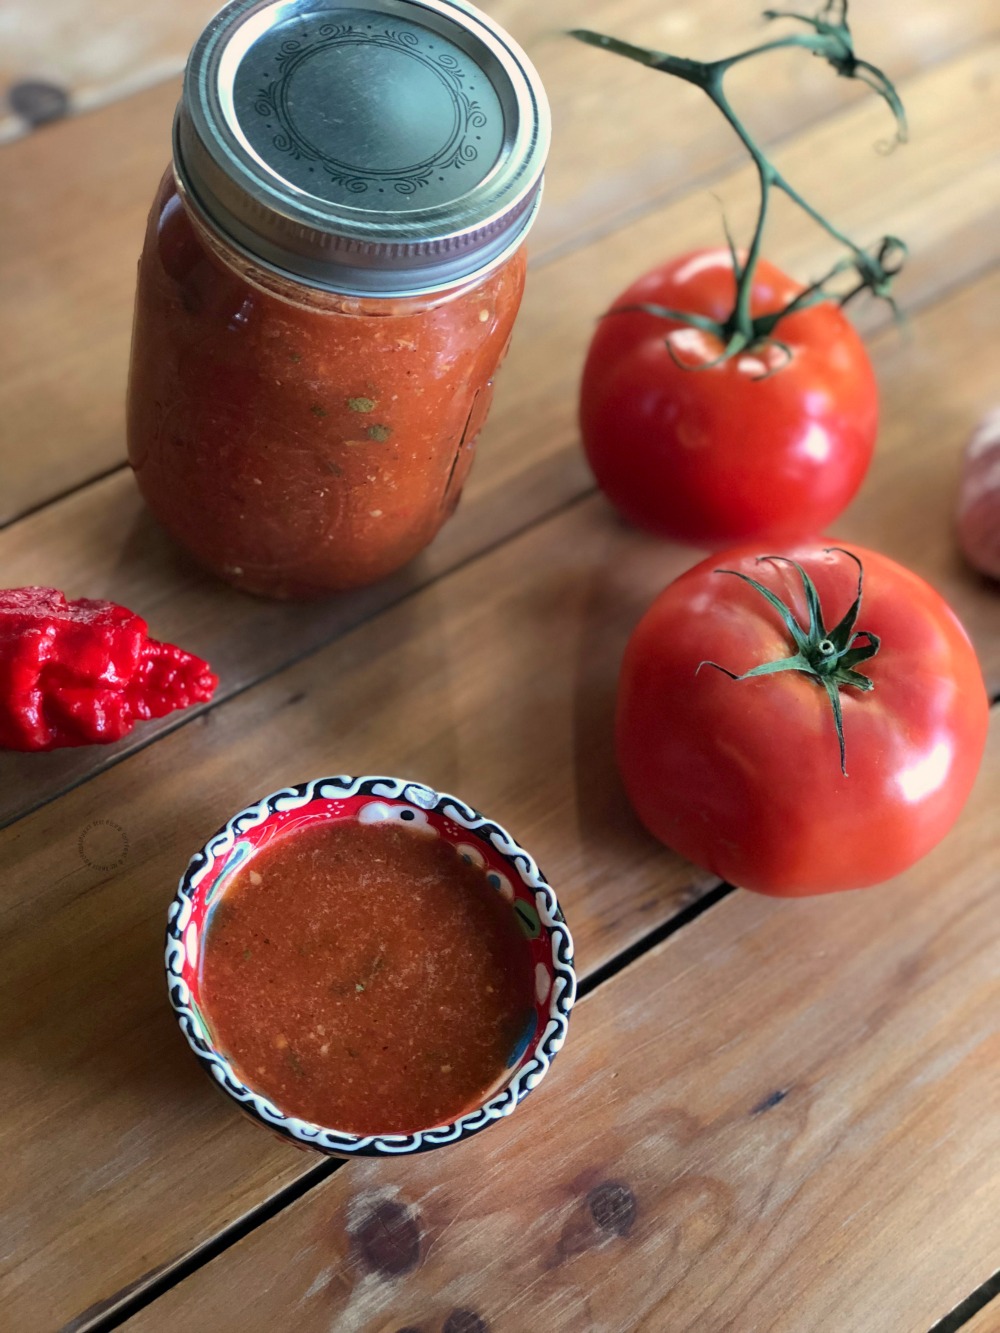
[[299, 443], [366, 977]]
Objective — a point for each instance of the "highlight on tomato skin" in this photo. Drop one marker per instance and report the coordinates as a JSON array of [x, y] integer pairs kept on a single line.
[[770, 445], [744, 776]]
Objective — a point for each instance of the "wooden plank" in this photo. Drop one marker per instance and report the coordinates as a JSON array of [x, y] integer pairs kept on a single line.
[[612, 155], [75, 203], [936, 382], [94, 51], [97, 51], [496, 683], [935, 387], [76, 196], [772, 1121]]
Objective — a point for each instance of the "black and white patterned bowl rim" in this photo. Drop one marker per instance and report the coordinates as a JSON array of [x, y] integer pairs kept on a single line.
[[525, 1078]]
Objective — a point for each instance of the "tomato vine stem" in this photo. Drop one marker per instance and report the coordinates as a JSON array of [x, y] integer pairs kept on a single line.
[[827, 656], [829, 37]]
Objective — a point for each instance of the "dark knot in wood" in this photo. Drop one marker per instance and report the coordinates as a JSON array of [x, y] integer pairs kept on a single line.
[[613, 1208], [389, 1239], [465, 1321], [38, 102], [774, 1100]]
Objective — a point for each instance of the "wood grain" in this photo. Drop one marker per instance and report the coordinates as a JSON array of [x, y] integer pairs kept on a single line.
[[75, 199], [935, 386], [103, 50], [775, 1120], [496, 683], [76, 195], [94, 50], [860, 1198], [936, 382]]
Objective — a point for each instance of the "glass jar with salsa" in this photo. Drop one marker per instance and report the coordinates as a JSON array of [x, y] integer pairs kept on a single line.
[[330, 275]]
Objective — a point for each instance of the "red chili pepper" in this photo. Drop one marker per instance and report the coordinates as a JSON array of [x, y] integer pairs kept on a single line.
[[83, 672]]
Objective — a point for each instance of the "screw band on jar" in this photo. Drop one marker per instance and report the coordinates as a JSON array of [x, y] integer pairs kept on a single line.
[[387, 148]]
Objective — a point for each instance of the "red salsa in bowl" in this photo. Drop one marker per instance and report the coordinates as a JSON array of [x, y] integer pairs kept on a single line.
[[369, 967]]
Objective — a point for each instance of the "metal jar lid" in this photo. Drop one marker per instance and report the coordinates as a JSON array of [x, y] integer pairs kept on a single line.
[[387, 147]]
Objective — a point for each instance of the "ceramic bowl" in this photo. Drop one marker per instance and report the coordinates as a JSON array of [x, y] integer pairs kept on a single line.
[[511, 871]]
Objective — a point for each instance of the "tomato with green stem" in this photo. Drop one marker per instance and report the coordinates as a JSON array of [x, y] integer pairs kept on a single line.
[[770, 444], [761, 734], [721, 401]]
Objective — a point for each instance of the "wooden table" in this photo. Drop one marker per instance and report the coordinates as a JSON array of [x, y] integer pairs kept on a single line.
[[769, 1116]]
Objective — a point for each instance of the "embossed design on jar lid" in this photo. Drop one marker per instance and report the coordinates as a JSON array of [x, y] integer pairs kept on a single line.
[[385, 148]]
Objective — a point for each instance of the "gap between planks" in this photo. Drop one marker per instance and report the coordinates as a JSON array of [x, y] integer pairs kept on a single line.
[[606, 219], [640, 571], [619, 951], [938, 298], [443, 692], [472, 557], [188, 716], [984, 1301], [123, 1307], [918, 307], [924, 884]]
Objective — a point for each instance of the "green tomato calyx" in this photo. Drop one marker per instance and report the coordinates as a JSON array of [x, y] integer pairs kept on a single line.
[[828, 657]]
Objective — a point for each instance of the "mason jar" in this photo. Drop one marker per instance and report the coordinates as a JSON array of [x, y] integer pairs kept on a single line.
[[331, 271]]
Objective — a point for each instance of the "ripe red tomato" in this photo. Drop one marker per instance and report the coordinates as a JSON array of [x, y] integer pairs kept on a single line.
[[718, 455], [744, 777]]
